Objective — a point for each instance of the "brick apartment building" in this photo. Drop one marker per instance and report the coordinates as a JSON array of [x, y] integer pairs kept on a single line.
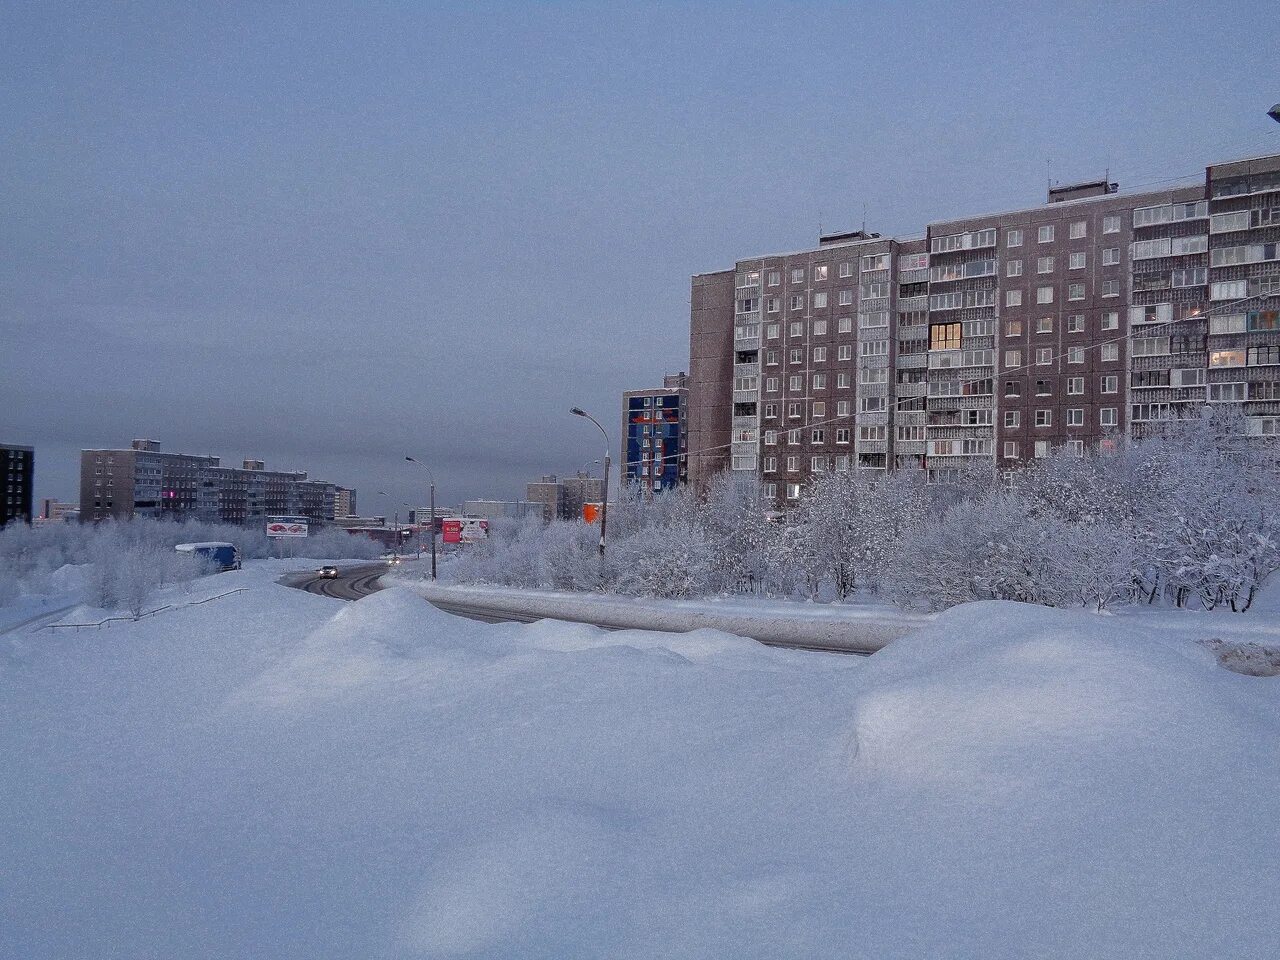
[[17, 473], [561, 498], [999, 337], [144, 481], [654, 436]]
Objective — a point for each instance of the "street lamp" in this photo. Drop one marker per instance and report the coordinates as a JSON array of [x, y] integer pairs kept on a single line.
[[604, 506], [432, 477]]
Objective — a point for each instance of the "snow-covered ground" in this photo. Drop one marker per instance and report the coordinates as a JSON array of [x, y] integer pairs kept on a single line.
[[278, 774]]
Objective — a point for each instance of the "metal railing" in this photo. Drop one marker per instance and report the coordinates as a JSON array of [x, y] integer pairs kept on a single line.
[[142, 616]]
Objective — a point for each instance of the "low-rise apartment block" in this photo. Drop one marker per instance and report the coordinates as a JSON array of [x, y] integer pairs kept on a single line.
[[144, 481]]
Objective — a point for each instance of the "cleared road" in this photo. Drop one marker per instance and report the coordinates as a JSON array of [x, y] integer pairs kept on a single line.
[[351, 583]]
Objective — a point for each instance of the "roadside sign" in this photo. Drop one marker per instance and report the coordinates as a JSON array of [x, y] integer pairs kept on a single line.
[[464, 529], [282, 527]]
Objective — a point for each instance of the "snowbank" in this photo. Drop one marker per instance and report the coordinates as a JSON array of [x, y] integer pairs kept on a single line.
[[862, 628], [290, 776]]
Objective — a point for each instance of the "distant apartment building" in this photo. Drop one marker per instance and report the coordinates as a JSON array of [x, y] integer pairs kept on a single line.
[[18, 465], [654, 443], [999, 338], [57, 511], [344, 502], [502, 509], [144, 481], [562, 497]]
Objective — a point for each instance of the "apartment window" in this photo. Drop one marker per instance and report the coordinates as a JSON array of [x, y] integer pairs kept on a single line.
[[797, 303], [797, 275], [795, 409], [796, 329], [820, 299], [1011, 449], [1110, 384], [771, 384], [1075, 386], [1107, 416], [819, 381], [793, 437], [796, 355], [820, 271], [772, 304], [1110, 256], [844, 351], [1012, 359], [1111, 288], [1044, 418], [1228, 392], [1075, 418], [770, 465], [1045, 234], [1110, 224], [1110, 320], [1013, 268], [1013, 238], [770, 438], [1075, 291], [842, 408], [1226, 358], [845, 325], [1075, 355], [1013, 328], [1044, 295], [842, 380], [1044, 265], [944, 336], [1077, 261], [1044, 356], [1044, 325], [1012, 388], [818, 464], [796, 384], [1075, 323], [845, 269], [1013, 298], [773, 331], [1012, 419], [845, 298], [771, 409], [1264, 356], [1110, 352], [1042, 449], [1079, 229], [818, 436], [842, 435], [819, 353], [775, 277], [1043, 388], [793, 491], [874, 348]]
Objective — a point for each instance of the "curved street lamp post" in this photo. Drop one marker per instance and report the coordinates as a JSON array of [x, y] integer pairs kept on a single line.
[[432, 477], [604, 506]]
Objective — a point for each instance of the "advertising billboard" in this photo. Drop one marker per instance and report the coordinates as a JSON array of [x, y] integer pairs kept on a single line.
[[280, 527], [464, 529]]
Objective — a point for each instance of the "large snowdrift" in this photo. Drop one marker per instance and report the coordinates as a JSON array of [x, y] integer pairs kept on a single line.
[[286, 776]]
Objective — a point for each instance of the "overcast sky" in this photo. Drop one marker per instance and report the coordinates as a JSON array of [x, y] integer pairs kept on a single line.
[[328, 235]]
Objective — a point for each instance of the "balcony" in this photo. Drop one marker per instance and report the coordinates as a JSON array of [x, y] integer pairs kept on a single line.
[[914, 331], [912, 361], [872, 446], [911, 389]]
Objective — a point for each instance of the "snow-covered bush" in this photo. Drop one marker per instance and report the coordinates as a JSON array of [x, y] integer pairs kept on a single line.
[[1188, 517]]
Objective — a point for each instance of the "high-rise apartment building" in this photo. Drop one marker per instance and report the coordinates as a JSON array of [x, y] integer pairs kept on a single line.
[[17, 473], [144, 481], [653, 434], [998, 338], [344, 502]]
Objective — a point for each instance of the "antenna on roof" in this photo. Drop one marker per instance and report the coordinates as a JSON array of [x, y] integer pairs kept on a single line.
[[1048, 179], [864, 216]]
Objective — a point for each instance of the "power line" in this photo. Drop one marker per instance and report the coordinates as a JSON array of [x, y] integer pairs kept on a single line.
[[997, 371]]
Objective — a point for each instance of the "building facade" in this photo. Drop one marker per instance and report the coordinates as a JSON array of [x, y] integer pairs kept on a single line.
[[18, 464], [57, 511], [654, 438], [144, 481], [344, 502], [997, 338], [561, 498]]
